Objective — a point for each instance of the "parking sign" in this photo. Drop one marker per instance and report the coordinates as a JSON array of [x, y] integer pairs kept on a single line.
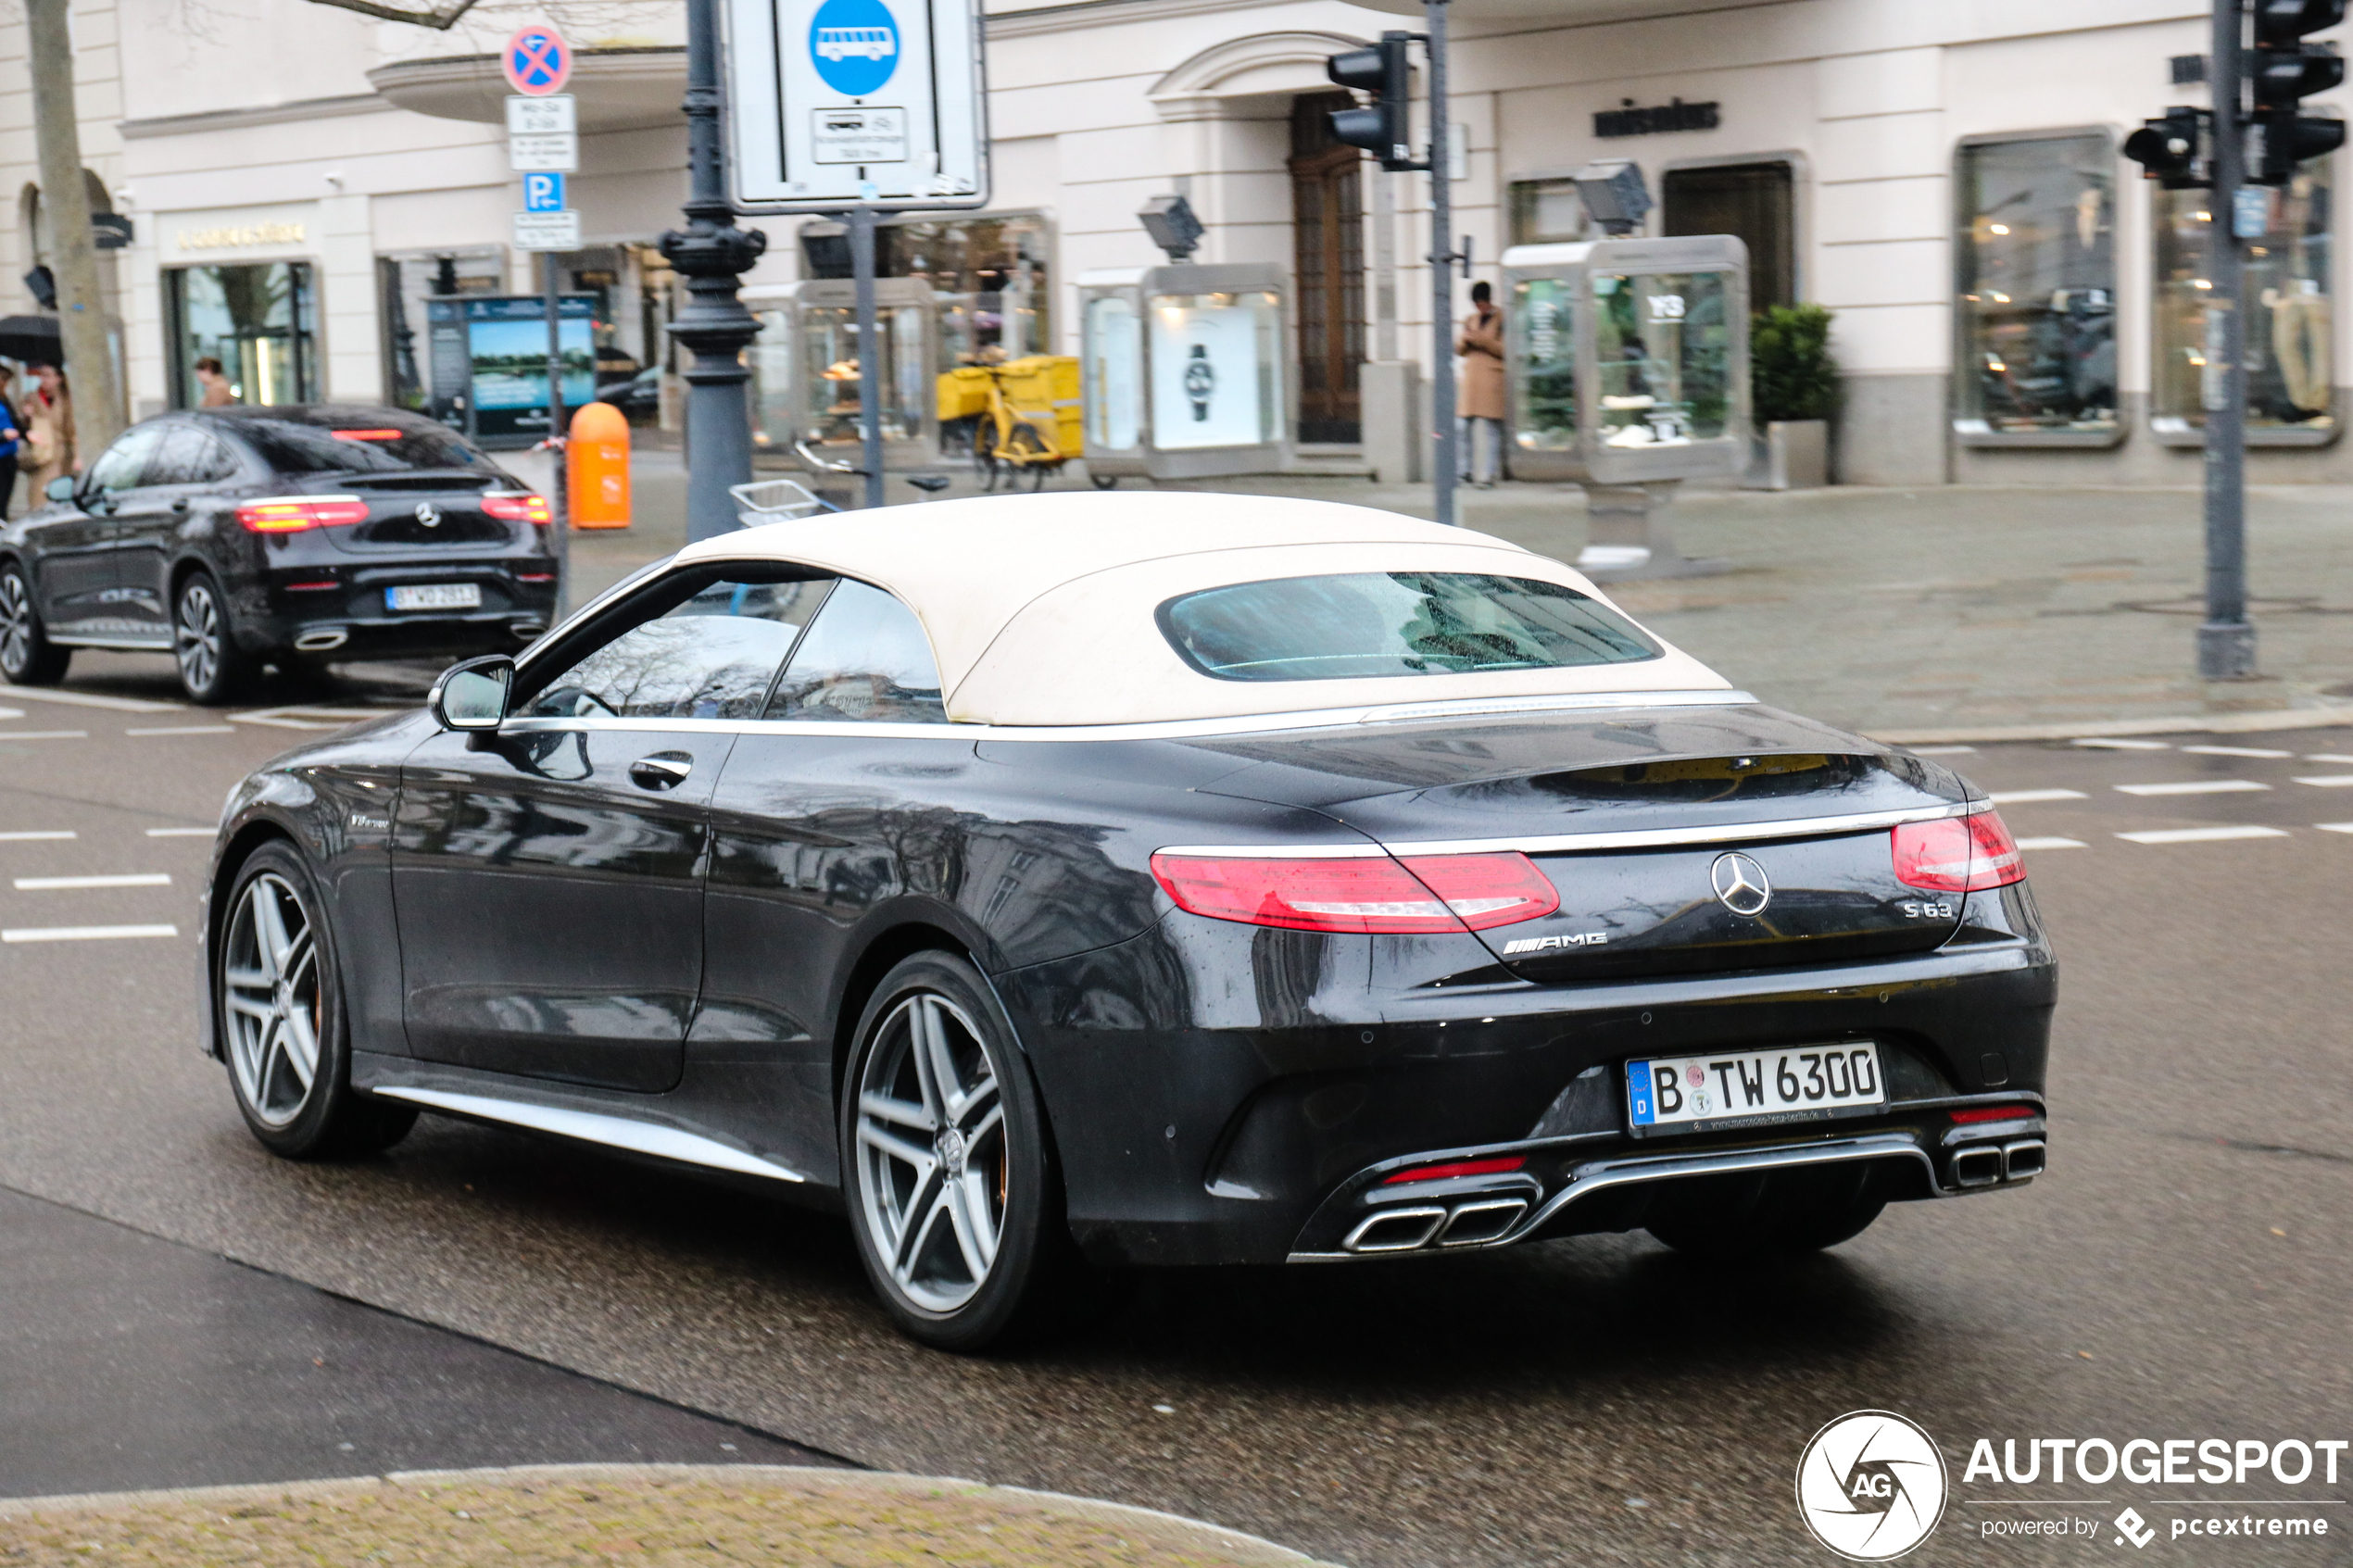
[[542, 193], [835, 101]]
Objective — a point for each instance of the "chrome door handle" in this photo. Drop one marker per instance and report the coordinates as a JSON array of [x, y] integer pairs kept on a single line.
[[663, 770]]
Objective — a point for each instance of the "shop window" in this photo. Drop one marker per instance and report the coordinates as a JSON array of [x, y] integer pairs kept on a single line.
[[404, 283], [2035, 264], [261, 321], [2287, 309], [1546, 212], [1663, 356], [830, 350], [990, 273]]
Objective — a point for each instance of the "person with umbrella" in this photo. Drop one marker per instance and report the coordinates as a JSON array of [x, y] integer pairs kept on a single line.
[[11, 437], [49, 441]]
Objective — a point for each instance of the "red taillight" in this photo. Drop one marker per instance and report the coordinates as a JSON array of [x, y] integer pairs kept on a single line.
[[1442, 893], [367, 434], [519, 508], [1458, 1168], [292, 514], [1957, 854], [1995, 1113]]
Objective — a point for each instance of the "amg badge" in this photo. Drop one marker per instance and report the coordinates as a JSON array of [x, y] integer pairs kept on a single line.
[[1546, 944]]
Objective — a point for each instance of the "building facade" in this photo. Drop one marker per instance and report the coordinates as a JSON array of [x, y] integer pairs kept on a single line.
[[2012, 303]]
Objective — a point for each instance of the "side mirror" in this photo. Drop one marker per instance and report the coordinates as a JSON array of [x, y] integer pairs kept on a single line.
[[60, 488], [473, 696]]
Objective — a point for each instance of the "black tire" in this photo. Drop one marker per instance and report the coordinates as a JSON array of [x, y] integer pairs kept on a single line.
[[1103, 480], [260, 955], [984, 452], [920, 1206], [27, 656], [213, 669], [1801, 1211]]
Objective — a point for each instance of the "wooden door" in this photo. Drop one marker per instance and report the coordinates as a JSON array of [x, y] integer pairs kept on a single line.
[[1328, 226]]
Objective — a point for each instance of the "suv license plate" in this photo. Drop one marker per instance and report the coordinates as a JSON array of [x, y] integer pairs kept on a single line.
[[435, 595], [1734, 1088]]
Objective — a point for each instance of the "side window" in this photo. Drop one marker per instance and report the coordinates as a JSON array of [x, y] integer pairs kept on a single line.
[[707, 644], [181, 457], [123, 464], [215, 463], [865, 657]]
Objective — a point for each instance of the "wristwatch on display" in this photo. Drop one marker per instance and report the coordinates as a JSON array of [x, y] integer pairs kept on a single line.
[[1199, 381]]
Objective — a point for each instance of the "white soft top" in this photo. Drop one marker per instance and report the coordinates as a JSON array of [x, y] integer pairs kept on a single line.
[[1040, 608]]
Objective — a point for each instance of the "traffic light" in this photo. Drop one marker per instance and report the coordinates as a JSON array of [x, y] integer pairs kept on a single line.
[[2281, 70], [2172, 150], [1382, 129]]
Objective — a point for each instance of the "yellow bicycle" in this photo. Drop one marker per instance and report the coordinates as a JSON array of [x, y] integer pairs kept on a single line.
[[1013, 439]]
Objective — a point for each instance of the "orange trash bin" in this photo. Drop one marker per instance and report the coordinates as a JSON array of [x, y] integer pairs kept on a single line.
[[597, 466]]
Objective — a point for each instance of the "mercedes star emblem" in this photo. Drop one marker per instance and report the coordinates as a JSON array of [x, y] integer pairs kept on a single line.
[[429, 514], [1741, 884]]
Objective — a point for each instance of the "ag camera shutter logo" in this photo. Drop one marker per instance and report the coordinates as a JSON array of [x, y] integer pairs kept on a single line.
[[854, 45], [1871, 1486]]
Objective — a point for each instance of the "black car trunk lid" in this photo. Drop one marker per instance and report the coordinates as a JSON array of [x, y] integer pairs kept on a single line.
[[423, 509], [1678, 842]]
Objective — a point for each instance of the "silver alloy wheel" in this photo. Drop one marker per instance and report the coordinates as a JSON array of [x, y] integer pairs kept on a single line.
[[932, 1159], [271, 1000], [196, 634], [16, 625]]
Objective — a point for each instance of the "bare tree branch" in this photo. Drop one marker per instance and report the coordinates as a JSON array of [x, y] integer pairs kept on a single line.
[[441, 19]]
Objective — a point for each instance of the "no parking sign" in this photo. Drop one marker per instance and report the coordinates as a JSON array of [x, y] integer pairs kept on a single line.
[[537, 61]]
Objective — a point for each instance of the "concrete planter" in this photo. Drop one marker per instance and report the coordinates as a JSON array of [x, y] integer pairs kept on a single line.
[[1790, 455]]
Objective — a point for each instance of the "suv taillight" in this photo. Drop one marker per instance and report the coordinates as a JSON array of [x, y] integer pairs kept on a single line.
[[1369, 894], [1957, 854], [523, 507], [293, 514]]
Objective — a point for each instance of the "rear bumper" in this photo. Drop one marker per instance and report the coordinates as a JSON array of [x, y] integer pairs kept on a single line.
[[352, 622], [1222, 1093]]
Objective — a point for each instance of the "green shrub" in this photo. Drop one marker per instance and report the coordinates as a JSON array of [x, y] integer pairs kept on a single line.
[[1792, 375]]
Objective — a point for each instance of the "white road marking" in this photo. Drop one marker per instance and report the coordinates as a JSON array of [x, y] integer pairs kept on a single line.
[[1942, 750], [2105, 744], [2195, 786], [44, 735], [11, 712], [2334, 827], [2324, 757], [2326, 781], [186, 730], [2052, 844], [95, 699], [2024, 797], [277, 723], [180, 833], [2233, 751], [84, 932], [25, 837], [2201, 835], [61, 883]]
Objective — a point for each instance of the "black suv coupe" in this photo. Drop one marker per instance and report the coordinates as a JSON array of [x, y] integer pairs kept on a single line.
[[231, 538]]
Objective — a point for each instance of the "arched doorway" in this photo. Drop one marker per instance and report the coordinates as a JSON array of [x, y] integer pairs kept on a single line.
[[1327, 227]]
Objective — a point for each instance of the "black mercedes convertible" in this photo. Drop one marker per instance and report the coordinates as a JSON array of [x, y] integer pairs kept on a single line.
[[1072, 882]]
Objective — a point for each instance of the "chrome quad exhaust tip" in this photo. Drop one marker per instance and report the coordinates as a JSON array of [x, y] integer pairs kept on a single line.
[[1472, 1224]]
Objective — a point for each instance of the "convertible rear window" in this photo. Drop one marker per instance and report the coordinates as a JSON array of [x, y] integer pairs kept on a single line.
[[1365, 623]]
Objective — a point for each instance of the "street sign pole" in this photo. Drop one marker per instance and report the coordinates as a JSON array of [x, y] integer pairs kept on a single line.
[[2226, 641], [1442, 276], [870, 368], [712, 254], [558, 500]]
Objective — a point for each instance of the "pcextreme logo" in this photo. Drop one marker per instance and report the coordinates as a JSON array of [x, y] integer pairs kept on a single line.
[[1870, 1486]]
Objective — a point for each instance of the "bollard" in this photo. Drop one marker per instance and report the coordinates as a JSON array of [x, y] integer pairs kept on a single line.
[[596, 461]]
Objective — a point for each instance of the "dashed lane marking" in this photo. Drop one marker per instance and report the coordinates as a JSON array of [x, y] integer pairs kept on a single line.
[[2201, 835], [27, 837], [2195, 786], [63, 884], [2327, 781], [2334, 827], [2233, 751], [186, 730], [2052, 844], [2103, 743], [11, 712], [2025, 796], [178, 833], [84, 932], [44, 735], [2326, 756], [1942, 750], [95, 699]]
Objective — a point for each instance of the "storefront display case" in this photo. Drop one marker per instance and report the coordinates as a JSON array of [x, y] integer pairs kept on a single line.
[[806, 371], [1628, 360], [1184, 370]]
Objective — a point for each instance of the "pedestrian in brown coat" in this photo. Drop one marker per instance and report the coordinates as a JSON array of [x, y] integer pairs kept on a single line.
[[48, 444], [1480, 451]]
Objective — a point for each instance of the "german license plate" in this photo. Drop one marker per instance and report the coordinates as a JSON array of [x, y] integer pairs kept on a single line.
[[1730, 1088], [435, 595]]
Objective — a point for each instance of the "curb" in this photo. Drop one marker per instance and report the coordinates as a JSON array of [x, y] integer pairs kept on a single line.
[[2209, 724], [1171, 1530]]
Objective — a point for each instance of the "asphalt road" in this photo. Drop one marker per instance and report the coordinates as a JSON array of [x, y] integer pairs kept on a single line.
[[2182, 1273]]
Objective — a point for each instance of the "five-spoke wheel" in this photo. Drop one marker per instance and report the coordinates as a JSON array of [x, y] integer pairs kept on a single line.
[[27, 656], [211, 665]]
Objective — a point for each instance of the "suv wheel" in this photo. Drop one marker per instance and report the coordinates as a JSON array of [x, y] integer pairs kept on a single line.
[[27, 656], [213, 667]]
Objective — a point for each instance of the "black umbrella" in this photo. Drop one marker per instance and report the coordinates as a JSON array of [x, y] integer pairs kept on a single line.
[[32, 340]]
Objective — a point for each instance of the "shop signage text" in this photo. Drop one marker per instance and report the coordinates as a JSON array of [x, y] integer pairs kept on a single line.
[[238, 236], [1633, 121]]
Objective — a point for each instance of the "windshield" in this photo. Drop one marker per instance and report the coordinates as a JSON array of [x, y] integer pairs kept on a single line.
[[1370, 623], [355, 445]]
